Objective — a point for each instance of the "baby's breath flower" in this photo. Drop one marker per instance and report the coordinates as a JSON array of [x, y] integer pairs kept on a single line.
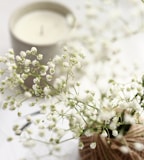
[[113, 126], [36, 80], [93, 145], [28, 52], [34, 50], [35, 87], [124, 149], [18, 58], [81, 145], [39, 56], [29, 118], [51, 64], [27, 69], [43, 73], [107, 115], [49, 77], [51, 70], [104, 134], [65, 64], [129, 119], [88, 133], [27, 62], [47, 90], [9, 139], [11, 67], [73, 60], [35, 62], [57, 59], [115, 133], [45, 68], [60, 100], [23, 54], [3, 59], [29, 143], [11, 56], [11, 51], [28, 94], [139, 146], [24, 76], [43, 108]]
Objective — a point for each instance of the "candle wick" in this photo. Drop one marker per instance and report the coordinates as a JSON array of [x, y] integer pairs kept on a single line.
[[41, 30]]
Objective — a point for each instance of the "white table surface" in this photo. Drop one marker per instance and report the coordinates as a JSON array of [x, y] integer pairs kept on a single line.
[[132, 50]]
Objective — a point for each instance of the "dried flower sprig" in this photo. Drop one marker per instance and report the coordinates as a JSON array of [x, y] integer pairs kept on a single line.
[[28, 76], [86, 113], [64, 107]]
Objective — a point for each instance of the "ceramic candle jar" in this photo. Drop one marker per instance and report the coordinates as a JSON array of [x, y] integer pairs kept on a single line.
[[43, 25]]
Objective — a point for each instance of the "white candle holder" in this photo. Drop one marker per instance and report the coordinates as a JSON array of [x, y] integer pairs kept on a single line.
[[43, 25]]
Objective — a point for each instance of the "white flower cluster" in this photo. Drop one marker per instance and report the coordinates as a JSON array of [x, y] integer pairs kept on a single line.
[[62, 107], [26, 74], [110, 114]]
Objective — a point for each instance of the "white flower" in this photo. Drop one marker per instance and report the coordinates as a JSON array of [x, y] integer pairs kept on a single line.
[[129, 119], [35, 87], [3, 59], [46, 90], [28, 94], [35, 62], [65, 64], [11, 67], [11, 51], [115, 133], [51, 64], [57, 59], [93, 145], [45, 68], [27, 69], [81, 145], [88, 133], [29, 143], [113, 126], [27, 62], [89, 97], [138, 146], [79, 65], [18, 58], [124, 149], [24, 76], [33, 49], [106, 115], [48, 77], [36, 80], [135, 105], [23, 54], [40, 57], [42, 73], [52, 71], [73, 60], [11, 56], [104, 134]]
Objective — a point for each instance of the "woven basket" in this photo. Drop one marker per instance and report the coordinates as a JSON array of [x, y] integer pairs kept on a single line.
[[111, 151]]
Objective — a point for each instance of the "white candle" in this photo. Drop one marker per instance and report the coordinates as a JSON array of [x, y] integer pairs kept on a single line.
[[41, 27]]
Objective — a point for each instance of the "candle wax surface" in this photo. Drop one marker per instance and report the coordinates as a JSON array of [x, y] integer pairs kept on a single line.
[[41, 27]]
